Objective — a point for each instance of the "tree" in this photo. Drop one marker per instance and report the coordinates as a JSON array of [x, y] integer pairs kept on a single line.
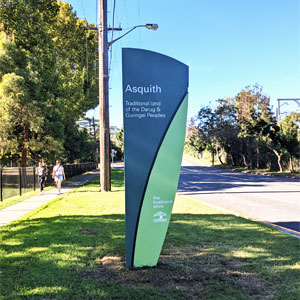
[[117, 141], [22, 121], [245, 128], [273, 141], [27, 49], [227, 129], [19, 120], [216, 131], [76, 54], [289, 127], [255, 117], [50, 55], [79, 145], [194, 142]]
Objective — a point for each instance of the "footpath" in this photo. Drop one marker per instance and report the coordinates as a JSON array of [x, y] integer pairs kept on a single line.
[[18, 210]]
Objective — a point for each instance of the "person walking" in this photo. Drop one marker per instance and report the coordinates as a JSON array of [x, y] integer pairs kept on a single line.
[[41, 171], [58, 175]]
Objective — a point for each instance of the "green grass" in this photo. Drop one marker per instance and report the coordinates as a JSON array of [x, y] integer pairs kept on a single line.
[[260, 171], [74, 248], [204, 161]]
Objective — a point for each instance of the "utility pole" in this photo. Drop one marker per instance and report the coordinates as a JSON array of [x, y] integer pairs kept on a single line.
[[105, 184], [104, 134]]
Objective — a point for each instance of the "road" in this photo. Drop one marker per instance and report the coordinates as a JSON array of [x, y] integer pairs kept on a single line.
[[266, 198]]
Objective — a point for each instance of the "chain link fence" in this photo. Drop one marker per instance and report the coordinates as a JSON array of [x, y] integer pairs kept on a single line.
[[18, 181]]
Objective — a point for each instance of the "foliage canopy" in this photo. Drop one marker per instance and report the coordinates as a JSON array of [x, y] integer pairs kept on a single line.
[[244, 131], [47, 81]]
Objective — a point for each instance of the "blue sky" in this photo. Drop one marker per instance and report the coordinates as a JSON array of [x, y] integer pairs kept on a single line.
[[227, 44]]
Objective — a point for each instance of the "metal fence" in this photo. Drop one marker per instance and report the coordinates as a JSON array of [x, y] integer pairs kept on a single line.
[[17, 181]]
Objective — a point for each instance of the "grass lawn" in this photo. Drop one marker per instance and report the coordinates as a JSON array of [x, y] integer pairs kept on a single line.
[[74, 248], [261, 171]]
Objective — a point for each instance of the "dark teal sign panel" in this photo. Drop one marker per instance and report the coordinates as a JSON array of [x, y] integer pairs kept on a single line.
[[154, 107]]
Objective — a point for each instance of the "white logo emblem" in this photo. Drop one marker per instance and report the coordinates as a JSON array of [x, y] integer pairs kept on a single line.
[[160, 216]]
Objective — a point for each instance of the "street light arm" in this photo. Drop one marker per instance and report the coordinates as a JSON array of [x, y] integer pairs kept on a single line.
[[149, 26], [111, 42]]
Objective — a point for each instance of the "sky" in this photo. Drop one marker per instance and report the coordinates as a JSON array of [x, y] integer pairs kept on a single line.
[[227, 44]]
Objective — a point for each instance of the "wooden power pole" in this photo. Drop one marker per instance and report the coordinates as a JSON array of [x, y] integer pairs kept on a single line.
[[105, 181], [103, 98]]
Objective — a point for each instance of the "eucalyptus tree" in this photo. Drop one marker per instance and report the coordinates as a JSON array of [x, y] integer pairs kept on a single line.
[[289, 128], [227, 130], [216, 131], [194, 142], [255, 121]]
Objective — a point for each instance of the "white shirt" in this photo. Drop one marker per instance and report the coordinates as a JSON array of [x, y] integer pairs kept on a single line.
[[40, 171], [58, 170]]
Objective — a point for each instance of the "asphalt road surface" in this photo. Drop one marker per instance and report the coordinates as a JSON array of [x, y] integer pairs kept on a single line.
[[265, 198]]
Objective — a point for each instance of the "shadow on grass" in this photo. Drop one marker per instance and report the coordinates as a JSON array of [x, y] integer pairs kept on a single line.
[[204, 257]]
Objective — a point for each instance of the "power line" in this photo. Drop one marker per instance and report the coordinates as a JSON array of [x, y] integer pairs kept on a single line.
[[139, 14], [113, 19], [112, 35], [96, 45], [96, 9], [83, 9], [87, 57]]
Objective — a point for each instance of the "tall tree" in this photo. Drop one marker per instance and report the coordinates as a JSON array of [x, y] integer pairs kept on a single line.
[[255, 117], [30, 57], [23, 127], [227, 129], [194, 142], [76, 56], [54, 58], [289, 128]]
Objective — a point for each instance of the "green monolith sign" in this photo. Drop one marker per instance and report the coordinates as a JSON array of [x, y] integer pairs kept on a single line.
[[155, 111]]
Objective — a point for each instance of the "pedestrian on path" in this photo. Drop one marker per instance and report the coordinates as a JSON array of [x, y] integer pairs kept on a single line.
[[42, 172], [58, 175]]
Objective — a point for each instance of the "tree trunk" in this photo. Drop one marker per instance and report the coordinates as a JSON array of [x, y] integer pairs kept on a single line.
[[219, 157], [24, 147], [277, 155], [257, 155], [245, 161], [250, 156], [278, 160], [291, 165], [232, 159]]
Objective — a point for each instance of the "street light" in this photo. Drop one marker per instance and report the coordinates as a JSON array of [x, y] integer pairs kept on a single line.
[[149, 26]]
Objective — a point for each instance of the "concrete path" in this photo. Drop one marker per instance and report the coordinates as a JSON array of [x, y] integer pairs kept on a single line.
[[16, 211]]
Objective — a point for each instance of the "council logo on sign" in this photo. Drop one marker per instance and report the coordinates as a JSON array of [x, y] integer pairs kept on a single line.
[[160, 218]]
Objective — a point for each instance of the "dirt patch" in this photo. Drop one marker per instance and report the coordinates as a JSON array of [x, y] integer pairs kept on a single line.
[[87, 231], [194, 272]]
